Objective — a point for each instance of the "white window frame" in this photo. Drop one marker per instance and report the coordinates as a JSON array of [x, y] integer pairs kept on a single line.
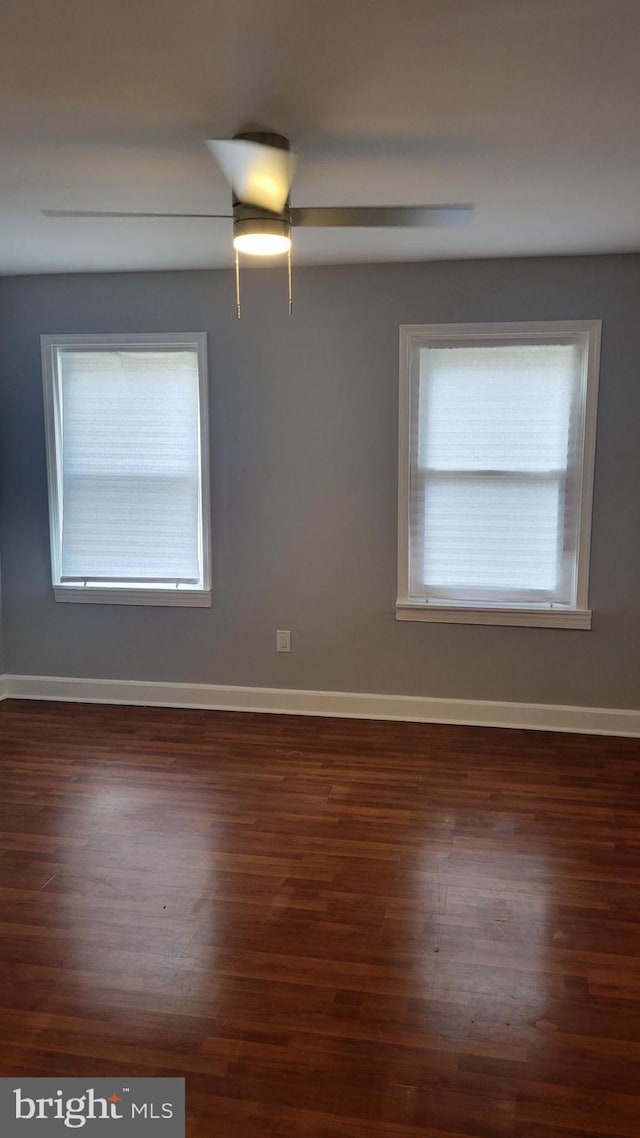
[[190, 596], [414, 336]]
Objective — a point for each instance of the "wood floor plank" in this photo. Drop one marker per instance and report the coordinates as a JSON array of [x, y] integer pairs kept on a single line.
[[331, 928]]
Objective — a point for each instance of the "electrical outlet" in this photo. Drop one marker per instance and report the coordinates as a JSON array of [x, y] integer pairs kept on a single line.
[[283, 640]]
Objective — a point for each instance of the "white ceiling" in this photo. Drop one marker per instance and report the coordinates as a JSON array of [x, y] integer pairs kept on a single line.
[[530, 108]]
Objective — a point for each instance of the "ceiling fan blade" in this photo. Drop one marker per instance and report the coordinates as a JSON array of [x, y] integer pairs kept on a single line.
[[375, 216], [122, 213], [259, 175]]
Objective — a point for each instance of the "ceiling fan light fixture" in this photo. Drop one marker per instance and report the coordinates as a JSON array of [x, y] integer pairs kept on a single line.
[[262, 236]]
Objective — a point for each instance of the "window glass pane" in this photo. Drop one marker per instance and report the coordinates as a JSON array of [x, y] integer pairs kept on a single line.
[[496, 408], [488, 533]]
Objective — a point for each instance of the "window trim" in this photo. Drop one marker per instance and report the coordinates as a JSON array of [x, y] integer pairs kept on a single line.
[[130, 594], [412, 336]]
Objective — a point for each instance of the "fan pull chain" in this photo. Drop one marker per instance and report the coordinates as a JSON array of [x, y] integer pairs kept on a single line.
[[237, 284], [289, 283]]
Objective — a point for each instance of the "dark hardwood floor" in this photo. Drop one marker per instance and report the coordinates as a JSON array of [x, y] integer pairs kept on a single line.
[[332, 928]]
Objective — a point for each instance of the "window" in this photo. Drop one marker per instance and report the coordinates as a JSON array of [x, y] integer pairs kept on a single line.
[[497, 437], [126, 425]]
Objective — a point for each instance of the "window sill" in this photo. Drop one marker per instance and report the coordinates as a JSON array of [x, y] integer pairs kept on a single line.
[[511, 615], [184, 598]]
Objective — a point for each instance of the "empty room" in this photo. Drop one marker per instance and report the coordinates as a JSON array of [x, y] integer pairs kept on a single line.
[[320, 568]]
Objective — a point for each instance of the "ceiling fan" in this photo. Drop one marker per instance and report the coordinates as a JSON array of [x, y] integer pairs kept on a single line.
[[259, 166]]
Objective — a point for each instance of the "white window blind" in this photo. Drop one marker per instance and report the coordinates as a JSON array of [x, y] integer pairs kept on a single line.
[[130, 463], [126, 448], [496, 433]]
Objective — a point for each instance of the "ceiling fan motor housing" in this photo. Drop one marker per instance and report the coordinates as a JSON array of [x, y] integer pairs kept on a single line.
[[249, 219], [264, 138]]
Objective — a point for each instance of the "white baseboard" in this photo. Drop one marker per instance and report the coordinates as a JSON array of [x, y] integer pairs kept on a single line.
[[349, 705]]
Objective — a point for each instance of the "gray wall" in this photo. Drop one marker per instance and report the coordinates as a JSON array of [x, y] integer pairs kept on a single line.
[[304, 445]]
